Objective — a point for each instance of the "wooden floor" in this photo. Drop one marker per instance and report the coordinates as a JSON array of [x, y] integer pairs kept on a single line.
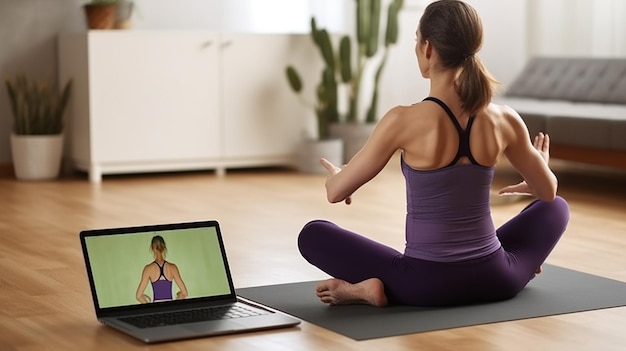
[[45, 302]]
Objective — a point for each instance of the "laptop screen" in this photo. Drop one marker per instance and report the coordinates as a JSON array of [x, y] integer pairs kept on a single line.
[[156, 264]]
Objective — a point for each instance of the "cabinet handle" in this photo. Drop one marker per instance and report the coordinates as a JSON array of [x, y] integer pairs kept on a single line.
[[206, 44], [226, 44]]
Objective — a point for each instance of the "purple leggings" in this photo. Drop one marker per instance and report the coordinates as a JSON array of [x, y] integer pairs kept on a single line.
[[527, 240]]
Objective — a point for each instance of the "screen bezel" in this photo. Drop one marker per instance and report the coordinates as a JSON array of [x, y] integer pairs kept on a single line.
[[161, 306]]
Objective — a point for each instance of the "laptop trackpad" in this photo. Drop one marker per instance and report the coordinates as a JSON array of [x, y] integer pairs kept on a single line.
[[210, 327]]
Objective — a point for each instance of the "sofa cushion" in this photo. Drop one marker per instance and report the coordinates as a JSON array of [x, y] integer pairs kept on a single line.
[[538, 78], [608, 86], [572, 79], [587, 124], [580, 131]]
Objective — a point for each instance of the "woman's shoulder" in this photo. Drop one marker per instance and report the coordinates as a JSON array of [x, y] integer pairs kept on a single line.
[[171, 265], [150, 268], [408, 113], [503, 112], [507, 121]]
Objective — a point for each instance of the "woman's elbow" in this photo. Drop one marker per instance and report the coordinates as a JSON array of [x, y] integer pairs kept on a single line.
[[333, 196], [547, 197], [549, 193]]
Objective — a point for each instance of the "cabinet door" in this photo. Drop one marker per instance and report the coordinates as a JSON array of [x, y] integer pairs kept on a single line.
[[263, 118], [154, 96]]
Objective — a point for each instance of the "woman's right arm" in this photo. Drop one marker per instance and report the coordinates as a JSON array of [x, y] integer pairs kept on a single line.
[[143, 283], [530, 160], [368, 161]]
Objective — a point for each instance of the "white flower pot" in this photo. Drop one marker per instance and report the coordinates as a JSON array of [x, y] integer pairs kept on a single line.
[[310, 152], [37, 157]]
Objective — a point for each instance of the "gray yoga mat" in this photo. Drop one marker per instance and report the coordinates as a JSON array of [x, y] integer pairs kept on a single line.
[[556, 291]]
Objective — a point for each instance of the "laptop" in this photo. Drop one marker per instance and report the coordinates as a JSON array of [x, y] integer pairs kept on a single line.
[[167, 282]]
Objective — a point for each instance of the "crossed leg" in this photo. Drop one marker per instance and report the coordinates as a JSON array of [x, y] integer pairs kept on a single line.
[[356, 262], [369, 272], [530, 236]]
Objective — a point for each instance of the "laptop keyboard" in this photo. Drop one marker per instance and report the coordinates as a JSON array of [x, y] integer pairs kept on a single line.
[[191, 316]]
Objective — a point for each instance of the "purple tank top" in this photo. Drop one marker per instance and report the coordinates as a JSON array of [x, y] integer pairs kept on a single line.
[[162, 288], [448, 216]]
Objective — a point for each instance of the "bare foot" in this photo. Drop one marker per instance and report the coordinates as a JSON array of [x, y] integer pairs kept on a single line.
[[537, 272], [340, 292]]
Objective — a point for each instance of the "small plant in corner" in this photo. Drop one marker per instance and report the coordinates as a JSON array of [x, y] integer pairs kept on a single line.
[[36, 106]]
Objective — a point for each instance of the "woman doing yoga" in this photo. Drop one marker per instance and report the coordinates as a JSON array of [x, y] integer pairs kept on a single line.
[[450, 144], [160, 274]]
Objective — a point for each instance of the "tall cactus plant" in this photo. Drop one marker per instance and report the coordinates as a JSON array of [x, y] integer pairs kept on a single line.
[[391, 37], [339, 66], [326, 106], [368, 34]]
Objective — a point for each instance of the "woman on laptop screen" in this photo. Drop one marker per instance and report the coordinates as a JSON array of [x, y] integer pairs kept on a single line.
[[160, 274]]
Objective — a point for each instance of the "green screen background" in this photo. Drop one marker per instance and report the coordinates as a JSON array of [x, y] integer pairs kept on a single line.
[[117, 262]]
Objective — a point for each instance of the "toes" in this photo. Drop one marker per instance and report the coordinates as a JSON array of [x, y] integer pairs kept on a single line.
[[327, 299]]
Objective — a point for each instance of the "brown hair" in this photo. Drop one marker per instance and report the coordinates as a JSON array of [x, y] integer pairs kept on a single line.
[[158, 244], [455, 30]]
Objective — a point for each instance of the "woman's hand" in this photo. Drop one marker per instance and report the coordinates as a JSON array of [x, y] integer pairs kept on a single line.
[[332, 171], [143, 298], [541, 144], [521, 188]]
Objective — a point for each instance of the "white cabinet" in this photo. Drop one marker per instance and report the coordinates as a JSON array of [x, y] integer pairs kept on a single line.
[[152, 101], [260, 112]]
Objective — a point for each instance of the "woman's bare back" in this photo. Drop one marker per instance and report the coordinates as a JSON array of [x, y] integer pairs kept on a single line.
[[431, 140]]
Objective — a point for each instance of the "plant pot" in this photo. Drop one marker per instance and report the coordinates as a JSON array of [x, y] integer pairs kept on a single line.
[[101, 16], [37, 157], [354, 136], [310, 152], [124, 13]]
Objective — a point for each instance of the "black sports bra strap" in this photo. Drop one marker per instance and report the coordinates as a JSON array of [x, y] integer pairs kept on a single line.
[[464, 148], [448, 111], [161, 268]]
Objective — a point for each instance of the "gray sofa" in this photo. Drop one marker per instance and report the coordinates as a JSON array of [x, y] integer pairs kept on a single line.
[[580, 102]]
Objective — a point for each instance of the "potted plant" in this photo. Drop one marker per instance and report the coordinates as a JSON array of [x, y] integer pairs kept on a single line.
[[325, 108], [37, 137], [368, 58], [108, 14], [323, 145]]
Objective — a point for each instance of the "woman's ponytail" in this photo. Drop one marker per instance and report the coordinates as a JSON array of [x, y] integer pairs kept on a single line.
[[475, 85]]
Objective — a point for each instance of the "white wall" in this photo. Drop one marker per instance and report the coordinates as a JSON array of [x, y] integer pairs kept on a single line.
[[259, 16], [514, 31], [504, 50], [577, 28]]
